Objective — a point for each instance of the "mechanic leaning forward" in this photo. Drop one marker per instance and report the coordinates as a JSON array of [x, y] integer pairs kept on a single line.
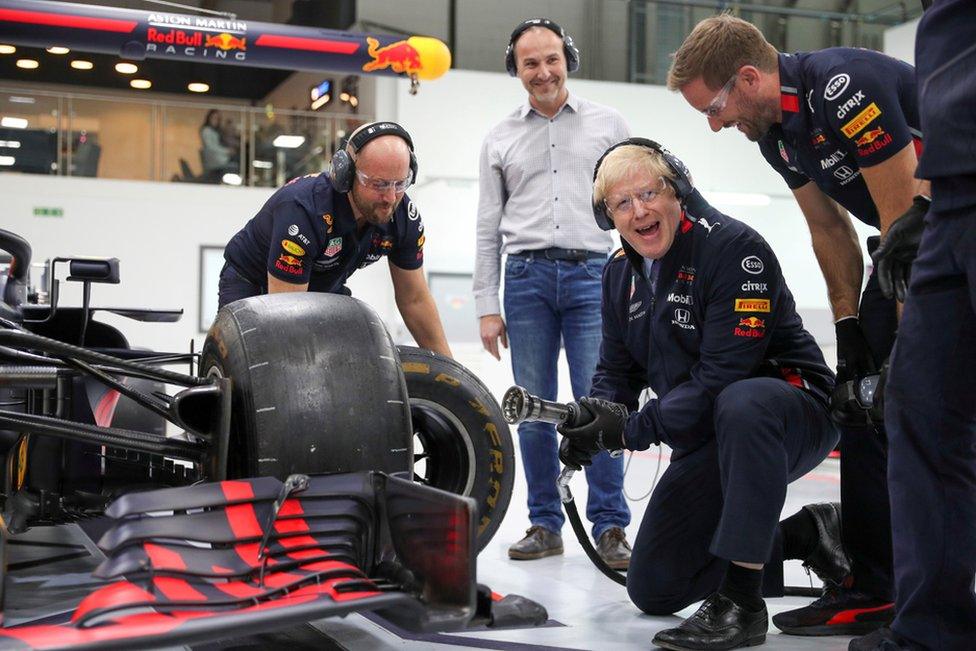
[[313, 233], [695, 306], [930, 395], [841, 127]]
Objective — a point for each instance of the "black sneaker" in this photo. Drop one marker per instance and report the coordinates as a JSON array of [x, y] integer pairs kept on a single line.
[[828, 560], [840, 611]]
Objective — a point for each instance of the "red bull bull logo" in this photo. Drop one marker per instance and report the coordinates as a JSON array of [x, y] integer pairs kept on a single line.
[[751, 326], [225, 41], [870, 136], [401, 57]]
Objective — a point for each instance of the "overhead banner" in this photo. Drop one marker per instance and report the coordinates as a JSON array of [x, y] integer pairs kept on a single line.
[[136, 35]]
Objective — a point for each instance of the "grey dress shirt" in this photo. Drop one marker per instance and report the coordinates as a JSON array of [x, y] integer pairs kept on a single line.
[[536, 184]]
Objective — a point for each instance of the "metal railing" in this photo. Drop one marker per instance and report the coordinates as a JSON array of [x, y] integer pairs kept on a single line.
[[118, 137]]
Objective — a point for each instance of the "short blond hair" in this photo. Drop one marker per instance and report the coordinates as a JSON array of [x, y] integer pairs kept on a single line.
[[622, 161], [716, 49]]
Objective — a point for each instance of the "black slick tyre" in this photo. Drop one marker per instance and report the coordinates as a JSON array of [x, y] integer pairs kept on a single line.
[[462, 444], [317, 386]]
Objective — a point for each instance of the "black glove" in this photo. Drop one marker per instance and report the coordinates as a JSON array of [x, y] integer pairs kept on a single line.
[[877, 405], [600, 426], [893, 258], [854, 358]]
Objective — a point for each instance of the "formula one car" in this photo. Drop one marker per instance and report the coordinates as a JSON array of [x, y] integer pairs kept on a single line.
[[304, 467]]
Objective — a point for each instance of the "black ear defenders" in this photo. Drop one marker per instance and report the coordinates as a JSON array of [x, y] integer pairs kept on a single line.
[[342, 170], [682, 183], [572, 54]]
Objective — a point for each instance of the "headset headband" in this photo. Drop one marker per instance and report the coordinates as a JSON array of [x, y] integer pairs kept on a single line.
[[569, 48], [682, 183]]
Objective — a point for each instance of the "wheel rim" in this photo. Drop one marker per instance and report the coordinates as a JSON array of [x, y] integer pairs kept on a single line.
[[443, 453]]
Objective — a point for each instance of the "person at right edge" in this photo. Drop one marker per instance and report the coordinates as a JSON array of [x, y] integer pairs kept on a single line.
[[841, 127], [930, 394], [695, 306]]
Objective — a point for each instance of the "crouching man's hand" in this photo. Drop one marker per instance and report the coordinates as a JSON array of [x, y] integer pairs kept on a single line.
[[600, 426]]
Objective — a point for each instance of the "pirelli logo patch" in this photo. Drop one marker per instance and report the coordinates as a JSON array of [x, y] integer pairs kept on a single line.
[[752, 305], [861, 120]]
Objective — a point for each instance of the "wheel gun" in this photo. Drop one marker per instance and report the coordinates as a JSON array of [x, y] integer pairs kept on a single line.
[[518, 405]]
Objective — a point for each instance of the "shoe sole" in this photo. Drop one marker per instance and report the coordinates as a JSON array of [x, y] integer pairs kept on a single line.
[[532, 556], [855, 628], [755, 641]]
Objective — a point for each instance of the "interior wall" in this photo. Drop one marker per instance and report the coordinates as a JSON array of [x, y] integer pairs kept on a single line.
[[156, 230], [899, 41]]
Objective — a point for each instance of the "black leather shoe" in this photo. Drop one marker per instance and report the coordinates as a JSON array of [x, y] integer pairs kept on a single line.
[[614, 549], [828, 560], [718, 624], [840, 611], [539, 542], [883, 639]]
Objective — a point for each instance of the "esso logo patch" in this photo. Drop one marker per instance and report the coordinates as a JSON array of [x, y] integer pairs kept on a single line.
[[836, 86], [752, 265]]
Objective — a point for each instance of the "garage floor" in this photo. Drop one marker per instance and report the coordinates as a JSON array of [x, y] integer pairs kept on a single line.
[[588, 610]]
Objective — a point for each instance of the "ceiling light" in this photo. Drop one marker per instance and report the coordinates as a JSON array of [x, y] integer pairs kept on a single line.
[[18, 99], [141, 84], [7, 49], [232, 179], [57, 49], [344, 96], [197, 87], [288, 142], [262, 164], [81, 64], [10, 144], [7, 161], [354, 101], [13, 123], [126, 68], [27, 64], [320, 102]]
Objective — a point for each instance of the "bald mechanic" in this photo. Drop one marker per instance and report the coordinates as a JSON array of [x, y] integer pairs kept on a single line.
[[841, 126], [313, 233]]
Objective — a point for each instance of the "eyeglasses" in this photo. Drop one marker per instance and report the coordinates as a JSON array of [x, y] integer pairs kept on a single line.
[[717, 105], [382, 185], [623, 205]]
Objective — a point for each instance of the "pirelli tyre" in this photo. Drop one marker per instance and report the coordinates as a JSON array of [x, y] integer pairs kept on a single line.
[[317, 386], [461, 441]]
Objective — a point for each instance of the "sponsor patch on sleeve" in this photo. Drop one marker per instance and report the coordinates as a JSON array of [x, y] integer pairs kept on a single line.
[[752, 305], [861, 120], [292, 247]]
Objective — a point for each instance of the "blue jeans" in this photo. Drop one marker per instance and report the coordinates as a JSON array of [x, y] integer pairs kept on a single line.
[[545, 301]]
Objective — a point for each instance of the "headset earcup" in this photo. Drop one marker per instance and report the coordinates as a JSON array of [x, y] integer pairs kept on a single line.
[[572, 60], [343, 169], [602, 218], [510, 61], [413, 167]]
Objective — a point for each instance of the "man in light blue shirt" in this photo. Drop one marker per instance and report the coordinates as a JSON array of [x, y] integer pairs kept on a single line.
[[534, 206]]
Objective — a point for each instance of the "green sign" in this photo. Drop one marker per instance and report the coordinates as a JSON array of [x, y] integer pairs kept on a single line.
[[44, 211]]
